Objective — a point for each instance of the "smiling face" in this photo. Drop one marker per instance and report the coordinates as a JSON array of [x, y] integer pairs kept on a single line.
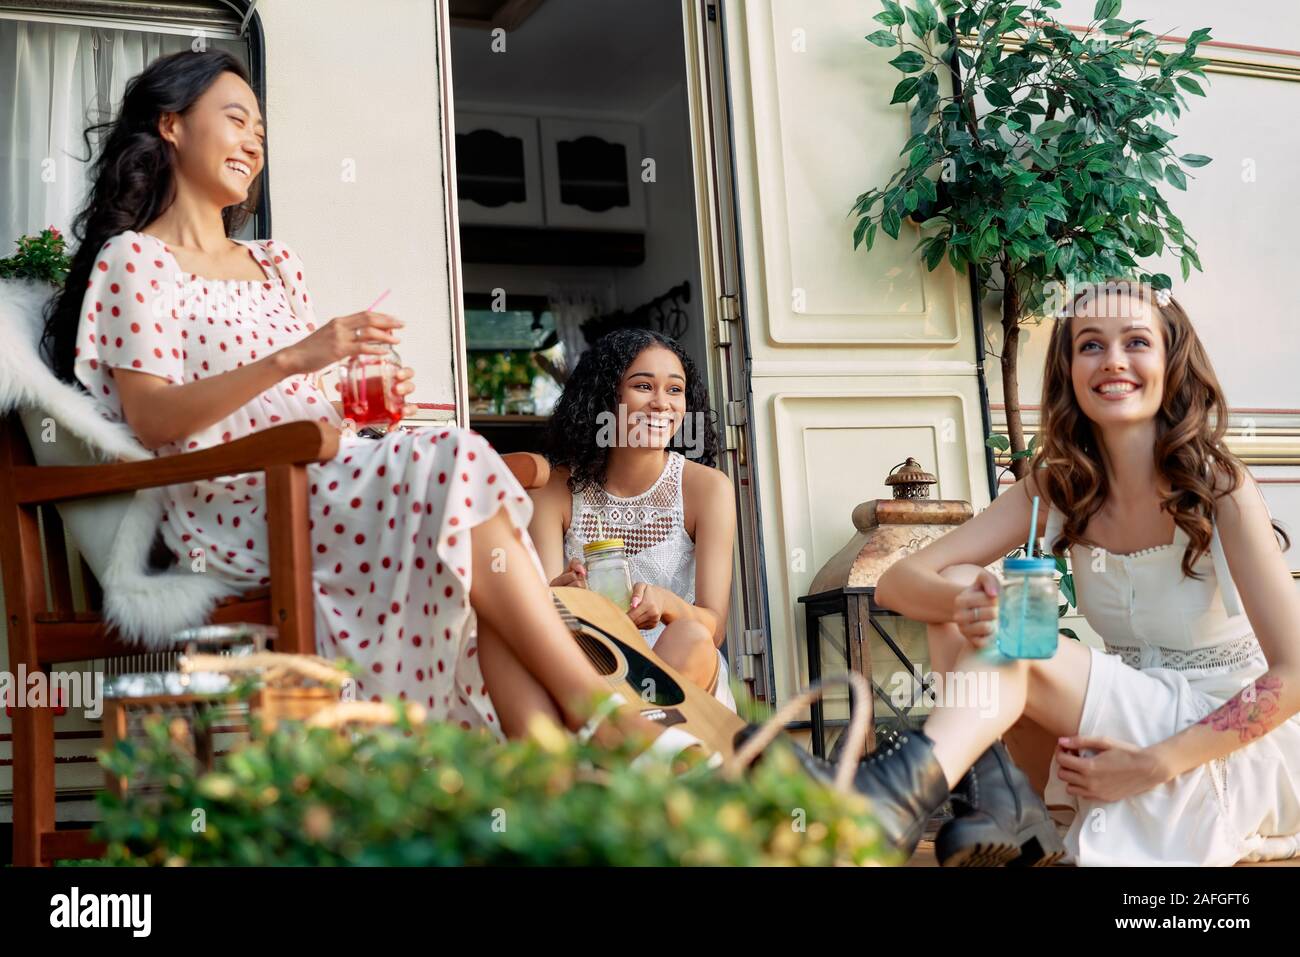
[[219, 141], [1117, 363], [652, 398]]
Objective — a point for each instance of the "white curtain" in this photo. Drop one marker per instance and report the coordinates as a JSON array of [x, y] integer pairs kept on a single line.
[[55, 80], [572, 306]]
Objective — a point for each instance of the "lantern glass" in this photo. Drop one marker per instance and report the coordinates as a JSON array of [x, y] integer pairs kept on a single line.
[[900, 681]]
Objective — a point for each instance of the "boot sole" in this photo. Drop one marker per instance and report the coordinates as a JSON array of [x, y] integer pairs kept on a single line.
[[1040, 846], [969, 843], [982, 855]]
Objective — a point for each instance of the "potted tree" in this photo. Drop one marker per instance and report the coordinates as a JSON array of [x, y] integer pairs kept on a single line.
[[1044, 167]]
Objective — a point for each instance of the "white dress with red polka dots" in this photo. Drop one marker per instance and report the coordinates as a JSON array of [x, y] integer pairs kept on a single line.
[[390, 518]]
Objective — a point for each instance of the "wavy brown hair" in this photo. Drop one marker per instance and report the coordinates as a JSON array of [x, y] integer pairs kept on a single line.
[[1190, 453]]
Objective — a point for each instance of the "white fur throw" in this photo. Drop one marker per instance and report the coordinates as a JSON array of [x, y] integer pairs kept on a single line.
[[114, 533]]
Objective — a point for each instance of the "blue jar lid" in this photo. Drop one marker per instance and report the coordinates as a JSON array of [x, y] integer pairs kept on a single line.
[[1029, 566]]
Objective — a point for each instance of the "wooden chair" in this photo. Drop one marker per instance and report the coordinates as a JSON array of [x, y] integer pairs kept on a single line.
[[41, 636]]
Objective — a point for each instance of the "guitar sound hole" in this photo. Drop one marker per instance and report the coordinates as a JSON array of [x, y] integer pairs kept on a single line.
[[601, 658]]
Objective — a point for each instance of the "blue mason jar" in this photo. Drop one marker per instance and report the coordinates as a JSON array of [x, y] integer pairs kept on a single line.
[[1027, 609]]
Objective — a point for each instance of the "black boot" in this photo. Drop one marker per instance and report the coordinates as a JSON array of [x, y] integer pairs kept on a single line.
[[904, 784], [997, 818]]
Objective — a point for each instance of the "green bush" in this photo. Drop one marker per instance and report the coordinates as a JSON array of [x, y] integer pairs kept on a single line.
[[433, 794], [39, 257]]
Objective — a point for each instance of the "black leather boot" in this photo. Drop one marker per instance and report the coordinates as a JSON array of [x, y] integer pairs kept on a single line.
[[903, 782], [998, 819]]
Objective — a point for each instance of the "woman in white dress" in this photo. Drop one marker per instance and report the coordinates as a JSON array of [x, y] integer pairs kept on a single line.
[[1180, 743], [617, 475]]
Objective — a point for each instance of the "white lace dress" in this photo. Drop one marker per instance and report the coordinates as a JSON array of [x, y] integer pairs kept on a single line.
[[1177, 649], [659, 550]]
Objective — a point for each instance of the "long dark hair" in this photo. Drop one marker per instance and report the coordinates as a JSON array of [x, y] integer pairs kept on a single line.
[[592, 389], [1190, 451], [133, 180]]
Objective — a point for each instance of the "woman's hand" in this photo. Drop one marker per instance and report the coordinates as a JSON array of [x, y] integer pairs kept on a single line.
[[575, 576], [362, 333], [647, 605], [1116, 770], [975, 609]]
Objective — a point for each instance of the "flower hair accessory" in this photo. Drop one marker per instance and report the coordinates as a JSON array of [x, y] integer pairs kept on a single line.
[[1163, 296]]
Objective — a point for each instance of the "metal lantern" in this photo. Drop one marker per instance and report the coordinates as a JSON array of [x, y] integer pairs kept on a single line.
[[846, 629]]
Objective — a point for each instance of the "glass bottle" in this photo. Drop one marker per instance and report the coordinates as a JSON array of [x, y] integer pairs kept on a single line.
[[608, 573]]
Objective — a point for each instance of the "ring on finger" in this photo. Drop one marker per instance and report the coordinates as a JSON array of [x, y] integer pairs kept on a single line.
[[358, 332]]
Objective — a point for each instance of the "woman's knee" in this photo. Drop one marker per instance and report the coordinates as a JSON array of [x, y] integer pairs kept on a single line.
[[689, 642]]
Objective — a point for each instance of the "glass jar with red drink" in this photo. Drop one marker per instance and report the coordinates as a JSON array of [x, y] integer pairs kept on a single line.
[[369, 396]]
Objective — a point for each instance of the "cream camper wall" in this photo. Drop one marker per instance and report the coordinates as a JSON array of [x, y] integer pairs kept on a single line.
[[356, 168]]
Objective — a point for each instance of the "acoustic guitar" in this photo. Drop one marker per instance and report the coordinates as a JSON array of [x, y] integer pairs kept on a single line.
[[619, 653]]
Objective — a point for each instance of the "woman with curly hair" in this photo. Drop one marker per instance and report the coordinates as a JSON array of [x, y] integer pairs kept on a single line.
[[1180, 743], [421, 567], [634, 400]]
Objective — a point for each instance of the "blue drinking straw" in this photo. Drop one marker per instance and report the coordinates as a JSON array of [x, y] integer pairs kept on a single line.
[[1033, 527]]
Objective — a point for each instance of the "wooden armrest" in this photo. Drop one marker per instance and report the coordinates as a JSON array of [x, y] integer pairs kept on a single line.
[[294, 443], [529, 468]]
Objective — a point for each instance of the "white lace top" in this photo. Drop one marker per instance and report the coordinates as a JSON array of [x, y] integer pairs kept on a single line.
[[652, 526], [1152, 616]]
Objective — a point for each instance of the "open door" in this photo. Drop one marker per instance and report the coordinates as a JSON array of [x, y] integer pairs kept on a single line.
[[592, 188]]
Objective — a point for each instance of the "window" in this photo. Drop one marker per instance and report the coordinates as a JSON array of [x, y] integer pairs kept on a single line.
[[65, 65]]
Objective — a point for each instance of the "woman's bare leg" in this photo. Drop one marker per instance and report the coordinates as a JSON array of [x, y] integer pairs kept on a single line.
[[689, 648], [514, 605], [979, 701], [516, 695]]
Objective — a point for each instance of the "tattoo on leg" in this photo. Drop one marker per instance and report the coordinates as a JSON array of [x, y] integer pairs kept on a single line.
[[1252, 713]]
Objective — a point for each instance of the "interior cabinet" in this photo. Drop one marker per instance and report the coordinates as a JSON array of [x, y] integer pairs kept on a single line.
[[498, 170], [591, 171]]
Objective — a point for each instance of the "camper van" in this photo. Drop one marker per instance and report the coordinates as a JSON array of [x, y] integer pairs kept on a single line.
[[523, 174]]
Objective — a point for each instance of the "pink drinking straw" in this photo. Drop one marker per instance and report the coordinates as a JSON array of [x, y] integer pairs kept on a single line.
[[382, 296]]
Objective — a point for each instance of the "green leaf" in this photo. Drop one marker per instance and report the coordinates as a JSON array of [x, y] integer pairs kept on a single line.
[[1190, 85], [1069, 633], [997, 95], [934, 254], [909, 62], [1106, 9], [1175, 177], [882, 38], [1067, 589], [859, 231], [999, 442], [905, 90], [891, 16], [1195, 160], [891, 223], [920, 21]]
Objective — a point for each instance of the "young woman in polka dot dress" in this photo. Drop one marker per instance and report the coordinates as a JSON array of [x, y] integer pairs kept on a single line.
[[422, 569]]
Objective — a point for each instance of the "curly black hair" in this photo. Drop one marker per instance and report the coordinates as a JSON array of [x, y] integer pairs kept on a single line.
[[132, 180], [592, 389]]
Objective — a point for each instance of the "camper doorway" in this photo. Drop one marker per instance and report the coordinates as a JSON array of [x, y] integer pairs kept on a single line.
[[592, 185]]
